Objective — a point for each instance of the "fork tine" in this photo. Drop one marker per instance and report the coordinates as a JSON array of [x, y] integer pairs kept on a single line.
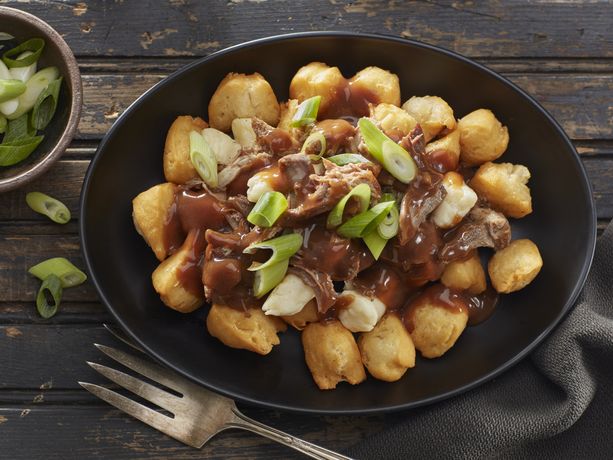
[[149, 416], [119, 334], [148, 369], [143, 389]]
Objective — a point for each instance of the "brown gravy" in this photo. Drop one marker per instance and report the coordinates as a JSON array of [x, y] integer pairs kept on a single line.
[[350, 100], [189, 273], [385, 282]]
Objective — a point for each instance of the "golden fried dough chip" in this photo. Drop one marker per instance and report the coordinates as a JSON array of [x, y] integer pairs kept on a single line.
[[515, 266], [178, 167]]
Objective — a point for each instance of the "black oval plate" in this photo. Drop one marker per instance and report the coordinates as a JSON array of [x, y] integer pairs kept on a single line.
[[129, 160]]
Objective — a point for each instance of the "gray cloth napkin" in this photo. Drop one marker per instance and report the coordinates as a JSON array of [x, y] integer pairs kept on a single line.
[[556, 404]]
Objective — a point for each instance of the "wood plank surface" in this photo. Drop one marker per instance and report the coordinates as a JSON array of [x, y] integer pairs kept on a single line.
[[183, 28]]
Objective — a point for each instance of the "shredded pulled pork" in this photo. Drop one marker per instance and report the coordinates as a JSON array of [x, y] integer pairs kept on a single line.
[[320, 282]]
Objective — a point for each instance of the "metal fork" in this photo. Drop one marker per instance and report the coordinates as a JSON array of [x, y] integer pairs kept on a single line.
[[197, 414]]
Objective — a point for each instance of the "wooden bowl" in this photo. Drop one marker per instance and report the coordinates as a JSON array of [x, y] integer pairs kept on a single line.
[[62, 128]]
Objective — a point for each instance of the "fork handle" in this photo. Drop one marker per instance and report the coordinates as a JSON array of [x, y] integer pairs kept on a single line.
[[307, 448]]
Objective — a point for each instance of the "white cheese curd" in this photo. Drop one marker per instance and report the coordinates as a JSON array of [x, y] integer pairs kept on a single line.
[[257, 185], [361, 314], [459, 200], [288, 297]]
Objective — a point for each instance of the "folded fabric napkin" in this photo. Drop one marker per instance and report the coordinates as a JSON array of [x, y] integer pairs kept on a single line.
[[558, 403]]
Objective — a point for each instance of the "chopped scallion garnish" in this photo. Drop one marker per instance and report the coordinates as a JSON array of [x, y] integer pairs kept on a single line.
[[366, 221], [282, 247], [268, 209], [306, 113], [311, 145], [388, 228], [10, 89], [48, 206], [68, 274], [375, 243], [49, 296], [35, 45], [268, 278], [46, 104], [361, 192], [343, 159], [203, 159], [392, 156]]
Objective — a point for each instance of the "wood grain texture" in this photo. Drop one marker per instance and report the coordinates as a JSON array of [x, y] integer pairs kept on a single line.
[[189, 28]]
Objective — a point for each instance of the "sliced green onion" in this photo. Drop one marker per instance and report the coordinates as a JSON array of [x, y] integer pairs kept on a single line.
[[310, 145], [19, 128], [282, 247], [375, 243], [306, 113], [34, 86], [48, 206], [51, 288], [35, 45], [268, 278], [10, 89], [203, 158], [268, 209], [392, 156], [68, 274], [388, 228], [46, 104], [343, 159], [361, 192], [18, 150], [3, 123], [5, 36], [23, 73], [366, 221]]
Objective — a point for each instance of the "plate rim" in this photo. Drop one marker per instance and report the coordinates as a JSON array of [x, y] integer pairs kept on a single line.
[[579, 283]]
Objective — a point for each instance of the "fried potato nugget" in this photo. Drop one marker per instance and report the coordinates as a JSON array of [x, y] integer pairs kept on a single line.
[[307, 315], [332, 355], [434, 328], [387, 351], [394, 121], [288, 110], [448, 147], [503, 185], [432, 113], [382, 83], [149, 212], [246, 330], [465, 275], [243, 96], [515, 266], [317, 79], [178, 167], [172, 288], [482, 137]]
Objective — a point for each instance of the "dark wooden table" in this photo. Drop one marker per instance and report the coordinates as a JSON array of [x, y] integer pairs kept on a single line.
[[560, 52]]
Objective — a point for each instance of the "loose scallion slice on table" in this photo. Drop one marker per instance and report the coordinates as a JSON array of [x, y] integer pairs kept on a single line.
[[34, 45], [361, 192], [48, 206], [268, 209], [268, 278], [18, 150], [310, 145], [68, 274], [365, 222], [46, 104], [49, 296], [343, 159], [392, 156], [10, 89], [282, 247], [306, 113], [375, 243], [203, 159]]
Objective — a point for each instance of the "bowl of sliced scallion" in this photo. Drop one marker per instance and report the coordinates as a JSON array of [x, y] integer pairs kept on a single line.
[[40, 97]]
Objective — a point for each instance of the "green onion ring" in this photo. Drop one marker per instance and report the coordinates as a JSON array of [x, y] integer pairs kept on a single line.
[[68, 274], [283, 247], [306, 113], [366, 221], [388, 228], [392, 156], [203, 159], [48, 206], [375, 243], [46, 105], [315, 136], [35, 45], [343, 159], [50, 286], [268, 209], [361, 192], [268, 278]]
